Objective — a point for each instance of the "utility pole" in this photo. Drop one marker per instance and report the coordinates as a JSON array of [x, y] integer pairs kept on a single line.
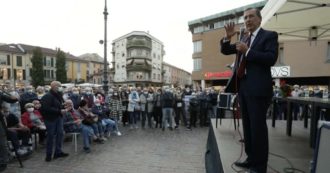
[[105, 77]]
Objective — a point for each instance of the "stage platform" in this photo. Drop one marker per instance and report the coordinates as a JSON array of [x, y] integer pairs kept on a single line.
[[224, 148]]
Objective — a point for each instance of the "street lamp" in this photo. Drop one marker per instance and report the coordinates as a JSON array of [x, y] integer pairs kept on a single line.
[[105, 77]]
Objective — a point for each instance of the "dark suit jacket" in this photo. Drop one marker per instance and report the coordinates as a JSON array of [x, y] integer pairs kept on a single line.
[[51, 105], [262, 55]]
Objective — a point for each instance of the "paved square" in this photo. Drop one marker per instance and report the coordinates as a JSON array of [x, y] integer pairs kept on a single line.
[[136, 151]]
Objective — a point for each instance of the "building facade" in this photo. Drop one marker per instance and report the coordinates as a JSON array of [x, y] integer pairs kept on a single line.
[[95, 66], [299, 62], [137, 60], [15, 65], [174, 76]]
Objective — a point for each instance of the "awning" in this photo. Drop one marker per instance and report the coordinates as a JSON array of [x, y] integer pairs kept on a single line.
[[298, 19]]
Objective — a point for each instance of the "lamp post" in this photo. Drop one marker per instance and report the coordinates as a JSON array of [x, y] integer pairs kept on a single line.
[[105, 77]]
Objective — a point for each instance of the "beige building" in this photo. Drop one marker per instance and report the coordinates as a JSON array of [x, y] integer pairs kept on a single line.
[[15, 65], [95, 68], [299, 62], [175, 76]]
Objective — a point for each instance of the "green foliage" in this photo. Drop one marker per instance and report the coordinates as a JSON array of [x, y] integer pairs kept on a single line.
[[61, 74], [37, 71]]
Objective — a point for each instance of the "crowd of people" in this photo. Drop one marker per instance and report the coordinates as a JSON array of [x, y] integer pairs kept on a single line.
[[53, 111], [286, 90]]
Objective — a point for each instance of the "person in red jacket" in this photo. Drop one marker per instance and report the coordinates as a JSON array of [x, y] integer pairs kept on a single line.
[[34, 121]]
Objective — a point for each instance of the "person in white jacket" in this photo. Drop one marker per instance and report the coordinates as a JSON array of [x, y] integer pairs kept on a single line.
[[133, 107]]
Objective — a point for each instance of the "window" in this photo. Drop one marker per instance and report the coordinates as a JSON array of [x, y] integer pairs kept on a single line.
[[158, 76], [78, 67], [197, 64], [211, 26], [153, 76], [19, 74], [47, 74], [51, 62], [47, 61], [219, 24], [9, 73], [19, 61], [8, 59], [3, 60], [197, 46], [139, 52], [198, 29]]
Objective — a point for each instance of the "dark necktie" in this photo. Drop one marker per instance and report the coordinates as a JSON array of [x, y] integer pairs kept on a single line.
[[242, 62]]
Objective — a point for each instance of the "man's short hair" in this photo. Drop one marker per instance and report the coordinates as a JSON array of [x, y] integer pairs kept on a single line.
[[258, 13]]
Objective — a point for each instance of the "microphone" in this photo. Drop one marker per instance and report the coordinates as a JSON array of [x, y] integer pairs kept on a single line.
[[241, 33]]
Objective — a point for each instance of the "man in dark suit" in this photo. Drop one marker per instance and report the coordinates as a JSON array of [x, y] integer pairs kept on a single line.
[[256, 52], [52, 110]]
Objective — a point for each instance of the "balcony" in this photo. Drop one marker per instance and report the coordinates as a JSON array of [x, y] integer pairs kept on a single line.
[[138, 64], [138, 42]]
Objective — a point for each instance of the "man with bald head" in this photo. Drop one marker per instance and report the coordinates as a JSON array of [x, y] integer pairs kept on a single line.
[[52, 110]]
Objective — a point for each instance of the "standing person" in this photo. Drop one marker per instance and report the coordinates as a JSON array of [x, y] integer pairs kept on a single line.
[[158, 115], [213, 96], [52, 110], [258, 51], [150, 107], [203, 105], [133, 103], [124, 92], [167, 100], [27, 97], [40, 92], [116, 110], [295, 107], [14, 108], [143, 106], [193, 109], [179, 108]]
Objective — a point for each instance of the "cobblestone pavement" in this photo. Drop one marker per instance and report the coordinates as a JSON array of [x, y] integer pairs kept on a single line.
[[136, 151]]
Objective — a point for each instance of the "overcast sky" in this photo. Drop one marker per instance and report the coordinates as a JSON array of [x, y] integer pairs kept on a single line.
[[76, 26]]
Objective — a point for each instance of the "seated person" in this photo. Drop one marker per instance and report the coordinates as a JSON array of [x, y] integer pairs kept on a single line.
[[72, 123], [90, 119], [17, 131], [105, 121], [37, 105], [32, 119]]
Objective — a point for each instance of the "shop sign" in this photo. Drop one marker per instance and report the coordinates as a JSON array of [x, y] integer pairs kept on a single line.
[[281, 71], [224, 74]]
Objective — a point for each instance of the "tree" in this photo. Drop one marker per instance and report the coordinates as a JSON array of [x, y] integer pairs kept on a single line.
[[60, 66], [37, 71]]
